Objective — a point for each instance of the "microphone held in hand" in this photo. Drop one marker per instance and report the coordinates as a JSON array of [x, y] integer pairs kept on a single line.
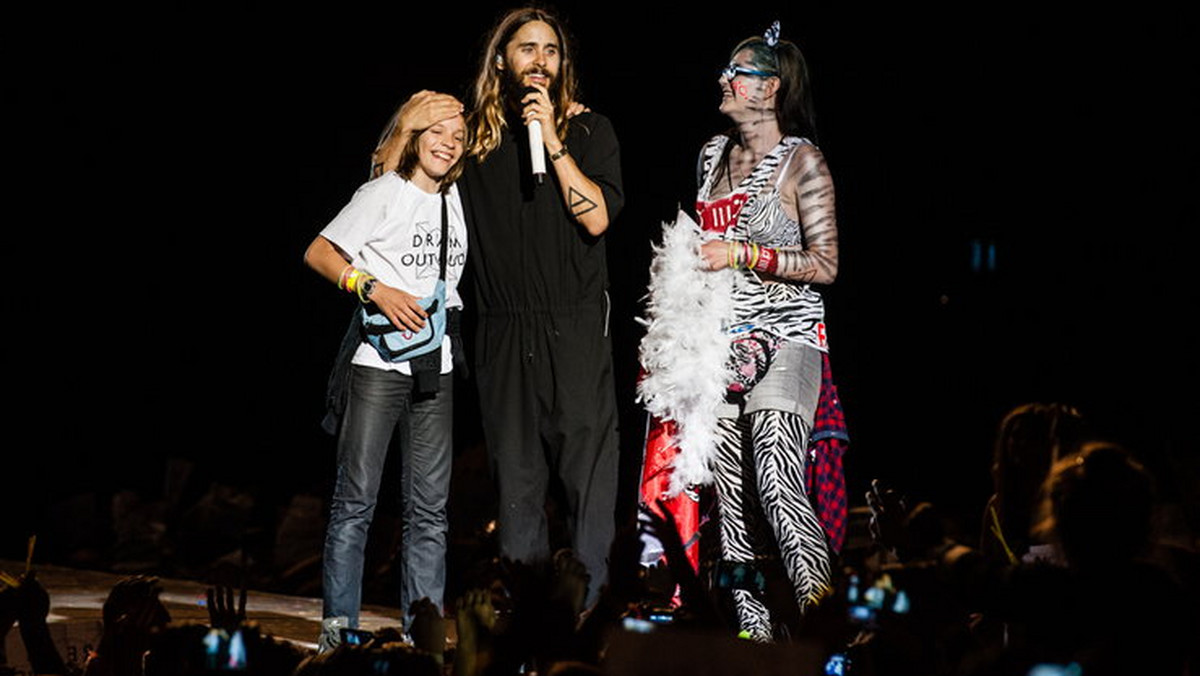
[[537, 154]]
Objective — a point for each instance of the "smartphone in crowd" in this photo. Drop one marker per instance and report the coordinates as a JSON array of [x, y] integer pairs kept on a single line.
[[225, 651]]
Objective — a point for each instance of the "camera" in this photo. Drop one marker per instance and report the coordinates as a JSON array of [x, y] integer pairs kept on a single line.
[[882, 597], [356, 636], [740, 575], [837, 665], [224, 651]]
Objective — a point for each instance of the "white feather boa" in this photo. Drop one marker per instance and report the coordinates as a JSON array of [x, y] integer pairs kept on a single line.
[[686, 348]]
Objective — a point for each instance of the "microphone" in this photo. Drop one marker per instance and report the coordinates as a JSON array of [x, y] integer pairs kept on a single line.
[[537, 154]]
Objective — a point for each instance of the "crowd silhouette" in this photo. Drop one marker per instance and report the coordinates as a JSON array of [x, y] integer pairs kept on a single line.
[[1073, 574]]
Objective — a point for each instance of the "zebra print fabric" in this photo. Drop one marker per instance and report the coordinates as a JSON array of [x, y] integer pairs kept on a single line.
[[762, 457], [760, 464], [761, 217], [753, 212]]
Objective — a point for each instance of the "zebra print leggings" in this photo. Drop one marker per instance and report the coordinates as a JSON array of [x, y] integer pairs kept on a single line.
[[766, 449]]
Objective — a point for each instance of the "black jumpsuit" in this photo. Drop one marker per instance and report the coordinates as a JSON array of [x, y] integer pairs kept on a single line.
[[543, 353]]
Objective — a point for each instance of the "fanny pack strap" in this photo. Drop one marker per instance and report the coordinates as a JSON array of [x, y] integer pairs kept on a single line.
[[445, 235]]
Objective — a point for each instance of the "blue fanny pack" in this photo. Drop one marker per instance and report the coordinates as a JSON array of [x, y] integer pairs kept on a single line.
[[397, 345]]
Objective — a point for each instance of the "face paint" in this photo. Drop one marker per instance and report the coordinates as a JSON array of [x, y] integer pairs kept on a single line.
[[748, 91], [740, 75], [745, 86]]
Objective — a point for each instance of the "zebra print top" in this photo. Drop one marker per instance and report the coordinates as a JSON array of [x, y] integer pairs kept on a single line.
[[754, 212]]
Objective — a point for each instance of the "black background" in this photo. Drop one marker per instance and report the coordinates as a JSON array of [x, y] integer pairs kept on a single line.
[[169, 170]]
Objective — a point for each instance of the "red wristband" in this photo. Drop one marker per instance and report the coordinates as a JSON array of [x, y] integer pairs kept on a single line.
[[768, 260]]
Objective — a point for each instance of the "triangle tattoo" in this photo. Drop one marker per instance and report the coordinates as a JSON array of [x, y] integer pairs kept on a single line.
[[579, 203]]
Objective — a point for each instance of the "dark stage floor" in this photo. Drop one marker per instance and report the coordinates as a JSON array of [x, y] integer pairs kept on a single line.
[[76, 597]]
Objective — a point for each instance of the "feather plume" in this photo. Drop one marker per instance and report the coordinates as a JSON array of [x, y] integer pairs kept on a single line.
[[686, 348]]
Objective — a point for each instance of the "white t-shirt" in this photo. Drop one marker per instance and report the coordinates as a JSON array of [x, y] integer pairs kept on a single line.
[[392, 229]]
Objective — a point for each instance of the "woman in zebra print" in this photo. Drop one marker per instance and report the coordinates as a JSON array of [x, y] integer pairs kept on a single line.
[[766, 198]]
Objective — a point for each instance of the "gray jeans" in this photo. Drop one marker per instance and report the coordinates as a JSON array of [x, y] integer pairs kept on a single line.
[[380, 403]]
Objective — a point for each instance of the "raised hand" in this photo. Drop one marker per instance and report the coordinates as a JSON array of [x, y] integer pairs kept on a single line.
[[27, 601], [9, 609], [428, 628], [571, 580], [222, 613], [476, 619], [889, 517], [131, 611], [660, 523]]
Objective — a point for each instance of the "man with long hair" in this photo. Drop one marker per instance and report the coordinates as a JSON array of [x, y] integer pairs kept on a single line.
[[543, 353]]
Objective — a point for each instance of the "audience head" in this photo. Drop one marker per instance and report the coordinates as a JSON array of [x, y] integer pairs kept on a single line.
[[1097, 505]]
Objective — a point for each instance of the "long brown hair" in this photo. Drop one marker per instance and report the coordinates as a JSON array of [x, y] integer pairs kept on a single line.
[[487, 122]]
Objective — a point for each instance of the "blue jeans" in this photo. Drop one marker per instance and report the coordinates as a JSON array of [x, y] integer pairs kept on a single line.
[[380, 403]]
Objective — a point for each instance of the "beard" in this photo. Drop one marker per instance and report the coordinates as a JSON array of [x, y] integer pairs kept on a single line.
[[513, 85]]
